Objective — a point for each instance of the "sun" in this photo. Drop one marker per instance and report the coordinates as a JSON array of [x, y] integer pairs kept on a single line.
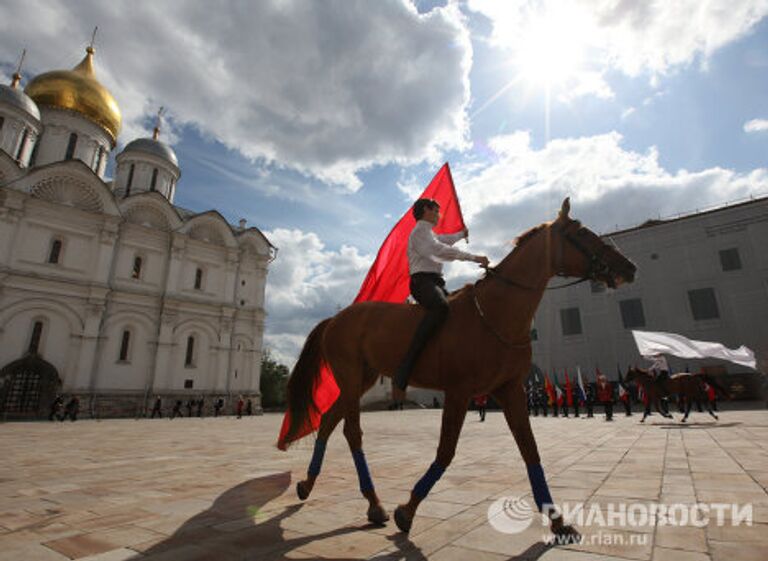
[[551, 48]]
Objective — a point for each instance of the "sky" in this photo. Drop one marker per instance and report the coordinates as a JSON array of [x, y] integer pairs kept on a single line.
[[320, 121]]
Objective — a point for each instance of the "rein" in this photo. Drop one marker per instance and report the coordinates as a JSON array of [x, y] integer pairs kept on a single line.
[[503, 340]]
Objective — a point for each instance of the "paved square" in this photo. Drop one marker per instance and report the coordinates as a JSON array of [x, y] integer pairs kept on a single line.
[[218, 489]]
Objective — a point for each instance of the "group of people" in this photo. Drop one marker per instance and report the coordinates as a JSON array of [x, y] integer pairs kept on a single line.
[[61, 412], [195, 407]]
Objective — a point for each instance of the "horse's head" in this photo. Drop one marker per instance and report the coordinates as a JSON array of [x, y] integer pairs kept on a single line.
[[578, 252]]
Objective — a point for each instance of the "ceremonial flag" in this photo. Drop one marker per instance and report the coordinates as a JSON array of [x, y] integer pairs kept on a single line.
[[651, 343], [582, 390], [549, 391], [388, 278], [558, 392], [387, 281], [568, 390], [623, 393]]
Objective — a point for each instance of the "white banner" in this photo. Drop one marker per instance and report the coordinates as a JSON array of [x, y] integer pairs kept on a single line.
[[651, 343]]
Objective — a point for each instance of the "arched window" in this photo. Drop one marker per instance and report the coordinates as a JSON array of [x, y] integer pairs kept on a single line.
[[137, 264], [55, 253], [34, 340], [198, 279], [71, 147], [130, 180], [153, 185], [2, 122], [125, 344], [22, 144], [33, 157], [189, 359], [99, 157]]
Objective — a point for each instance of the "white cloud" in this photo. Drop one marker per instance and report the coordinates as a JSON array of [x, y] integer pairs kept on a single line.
[[651, 38], [327, 88], [756, 125], [609, 187], [307, 283]]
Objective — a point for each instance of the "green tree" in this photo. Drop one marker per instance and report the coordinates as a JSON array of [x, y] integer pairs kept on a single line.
[[274, 378]]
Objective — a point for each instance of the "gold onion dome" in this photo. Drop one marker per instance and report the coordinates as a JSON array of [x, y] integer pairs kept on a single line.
[[78, 90]]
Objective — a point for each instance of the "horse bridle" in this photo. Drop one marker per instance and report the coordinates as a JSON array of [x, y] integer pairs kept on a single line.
[[597, 263], [597, 266]]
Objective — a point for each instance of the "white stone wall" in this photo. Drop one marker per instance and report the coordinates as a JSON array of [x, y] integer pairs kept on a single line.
[[12, 134], [89, 298], [58, 125], [672, 258]]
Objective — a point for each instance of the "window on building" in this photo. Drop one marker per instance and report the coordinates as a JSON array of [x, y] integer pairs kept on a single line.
[[33, 157], [632, 313], [125, 343], [571, 321], [703, 304], [22, 144], [55, 253], [153, 185], [189, 359], [189, 384], [2, 122], [71, 145], [34, 339], [99, 157], [137, 264], [198, 279], [130, 180], [730, 260]]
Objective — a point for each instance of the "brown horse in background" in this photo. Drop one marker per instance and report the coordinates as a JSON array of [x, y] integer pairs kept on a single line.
[[483, 348], [691, 387]]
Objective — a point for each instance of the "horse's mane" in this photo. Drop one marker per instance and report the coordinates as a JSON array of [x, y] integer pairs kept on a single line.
[[525, 236]]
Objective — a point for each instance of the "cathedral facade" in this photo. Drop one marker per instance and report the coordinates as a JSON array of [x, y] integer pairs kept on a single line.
[[109, 291]]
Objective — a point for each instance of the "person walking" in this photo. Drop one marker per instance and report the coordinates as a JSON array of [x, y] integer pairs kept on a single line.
[[157, 409]]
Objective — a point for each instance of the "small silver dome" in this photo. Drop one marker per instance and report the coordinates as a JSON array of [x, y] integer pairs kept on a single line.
[[20, 100], [154, 147]]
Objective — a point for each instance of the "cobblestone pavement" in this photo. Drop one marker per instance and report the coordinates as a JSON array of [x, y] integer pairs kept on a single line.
[[218, 489]]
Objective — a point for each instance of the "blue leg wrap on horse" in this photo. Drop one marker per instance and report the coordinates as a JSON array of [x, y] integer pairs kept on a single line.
[[317, 458], [363, 475], [539, 485], [425, 484]]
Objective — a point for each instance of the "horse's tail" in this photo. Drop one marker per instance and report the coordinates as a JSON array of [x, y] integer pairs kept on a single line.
[[302, 382], [711, 381]]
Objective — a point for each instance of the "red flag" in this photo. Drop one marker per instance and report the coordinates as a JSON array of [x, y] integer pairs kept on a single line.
[[568, 390], [388, 278], [387, 281]]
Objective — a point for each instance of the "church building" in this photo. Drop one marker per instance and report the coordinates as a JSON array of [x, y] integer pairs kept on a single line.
[[109, 291]]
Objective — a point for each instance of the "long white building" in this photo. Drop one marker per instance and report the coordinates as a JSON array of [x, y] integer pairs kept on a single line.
[[107, 289], [703, 275]]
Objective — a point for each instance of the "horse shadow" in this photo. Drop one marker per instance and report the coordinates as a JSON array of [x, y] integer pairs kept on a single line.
[[698, 425], [252, 533], [256, 535]]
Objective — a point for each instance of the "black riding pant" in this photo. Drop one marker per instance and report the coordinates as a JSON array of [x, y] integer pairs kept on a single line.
[[429, 290]]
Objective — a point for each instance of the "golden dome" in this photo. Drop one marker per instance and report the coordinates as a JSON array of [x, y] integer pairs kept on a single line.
[[78, 90]]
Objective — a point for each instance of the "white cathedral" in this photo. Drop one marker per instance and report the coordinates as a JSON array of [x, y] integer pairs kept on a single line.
[[109, 291]]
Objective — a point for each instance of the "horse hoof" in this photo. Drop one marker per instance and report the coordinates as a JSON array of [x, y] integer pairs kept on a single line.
[[682, 420], [567, 535], [377, 515], [302, 491], [402, 520]]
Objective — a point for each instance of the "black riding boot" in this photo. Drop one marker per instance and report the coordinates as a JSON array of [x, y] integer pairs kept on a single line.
[[424, 332]]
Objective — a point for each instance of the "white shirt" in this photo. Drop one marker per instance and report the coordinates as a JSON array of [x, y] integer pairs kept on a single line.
[[426, 251]]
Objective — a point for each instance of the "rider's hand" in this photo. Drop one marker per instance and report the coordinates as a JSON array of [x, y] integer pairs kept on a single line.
[[483, 261]]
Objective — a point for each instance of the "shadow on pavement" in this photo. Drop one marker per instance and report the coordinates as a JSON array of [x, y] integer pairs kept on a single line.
[[206, 535]]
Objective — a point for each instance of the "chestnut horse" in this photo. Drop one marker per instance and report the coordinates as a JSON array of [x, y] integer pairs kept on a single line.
[[484, 347], [689, 386]]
